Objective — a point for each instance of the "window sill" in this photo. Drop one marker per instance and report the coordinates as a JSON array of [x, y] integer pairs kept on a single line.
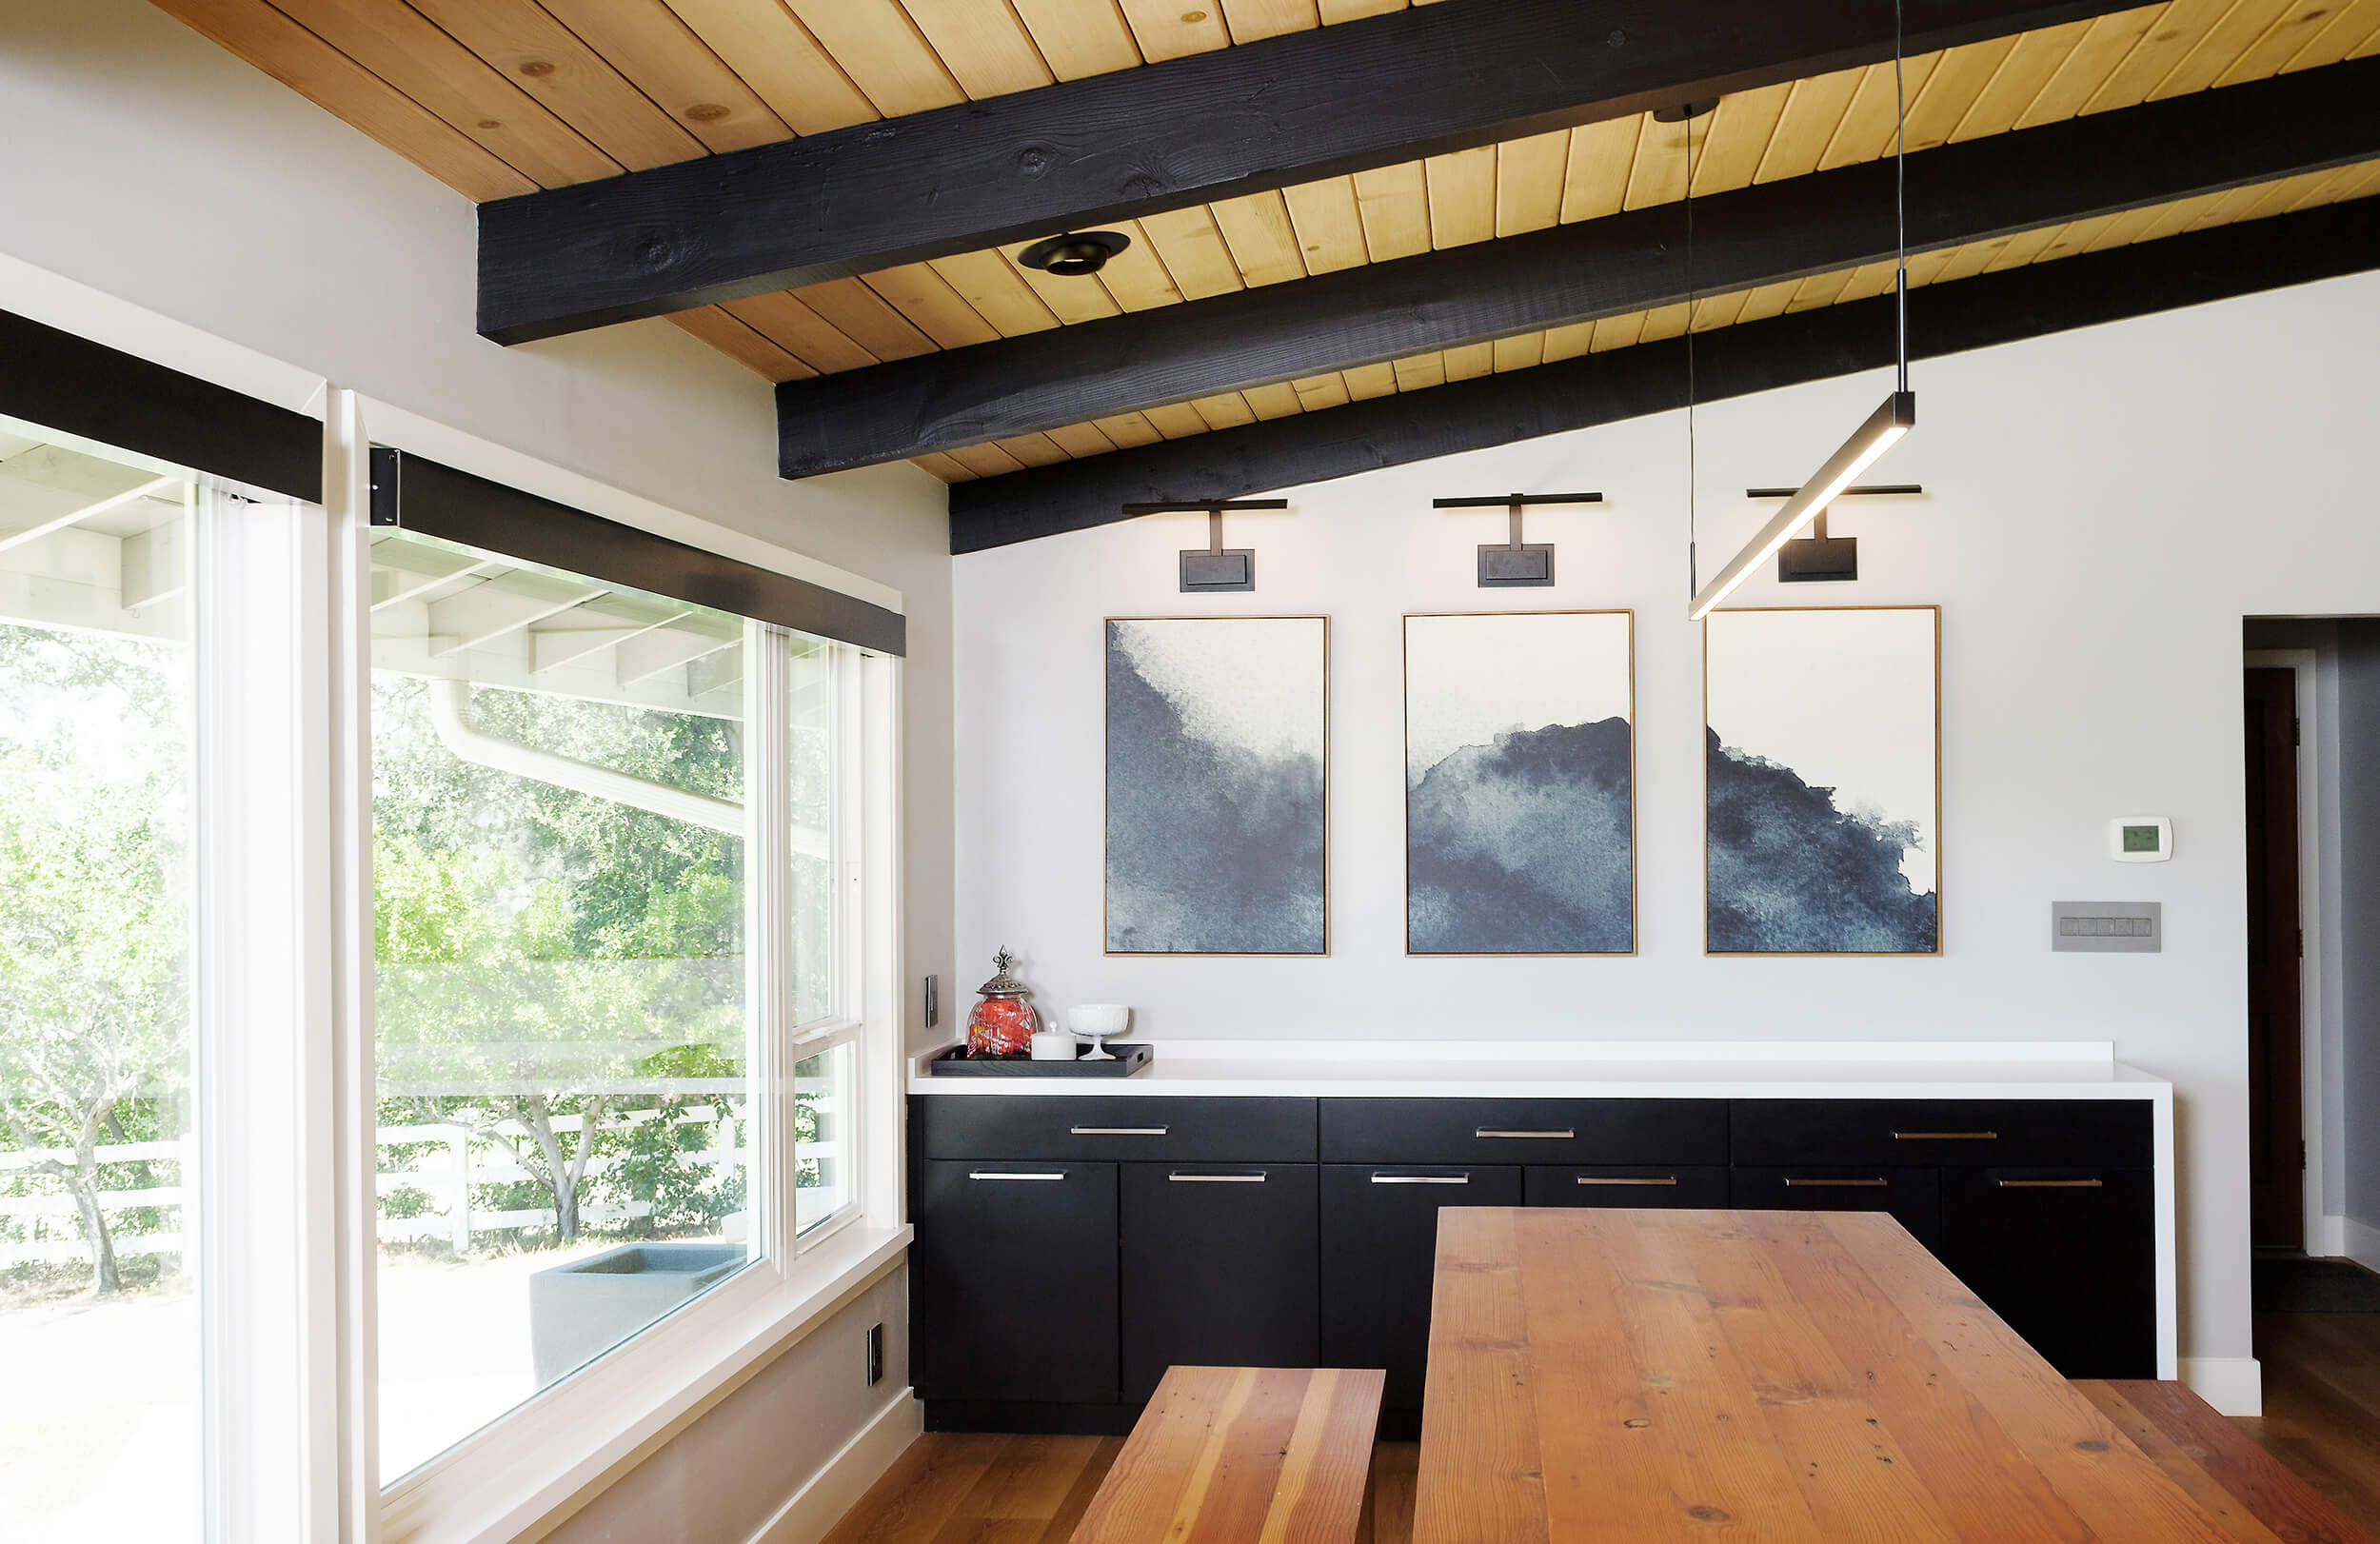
[[524, 1476]]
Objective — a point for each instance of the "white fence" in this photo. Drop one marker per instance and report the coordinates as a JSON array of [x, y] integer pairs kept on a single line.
[[53, 1233]]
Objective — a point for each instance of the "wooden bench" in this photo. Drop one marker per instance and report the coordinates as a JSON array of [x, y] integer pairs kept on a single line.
[[1245, 1456], [2245, 1488]]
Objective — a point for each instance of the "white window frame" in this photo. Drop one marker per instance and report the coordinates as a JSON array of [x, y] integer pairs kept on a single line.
[[565, 1443]]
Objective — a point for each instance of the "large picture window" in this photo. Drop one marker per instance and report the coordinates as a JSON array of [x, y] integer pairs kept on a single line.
[[573, 1123], [99, 1318]]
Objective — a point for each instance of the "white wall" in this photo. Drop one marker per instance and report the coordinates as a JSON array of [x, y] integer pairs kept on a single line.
[[728, 1476], [145, 163], [2104, 508]]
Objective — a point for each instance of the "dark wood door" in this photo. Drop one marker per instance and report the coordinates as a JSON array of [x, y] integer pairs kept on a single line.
[[1380, 1252], [1219, 1268], [1013, 1282], [2276, 1150], [2067, 1257]]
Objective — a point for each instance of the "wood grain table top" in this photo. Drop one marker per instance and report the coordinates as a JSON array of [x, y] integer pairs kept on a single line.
[[1774, 1375], [1245, 1456]]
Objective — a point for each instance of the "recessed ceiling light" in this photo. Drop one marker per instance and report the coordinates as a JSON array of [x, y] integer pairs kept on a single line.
[[1074, 254]]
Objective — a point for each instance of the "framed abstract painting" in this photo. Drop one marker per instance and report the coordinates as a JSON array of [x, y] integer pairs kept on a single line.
[[1822, 782], [1218, 813], [1520, 784]]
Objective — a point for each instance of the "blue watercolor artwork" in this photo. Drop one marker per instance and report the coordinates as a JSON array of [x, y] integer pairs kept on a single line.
[[1217, 814], [1822, 781], [1520, 784]]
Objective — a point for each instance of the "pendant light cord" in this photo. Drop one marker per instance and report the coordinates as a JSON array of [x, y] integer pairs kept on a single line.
[[1900, 196], [1692, 569]]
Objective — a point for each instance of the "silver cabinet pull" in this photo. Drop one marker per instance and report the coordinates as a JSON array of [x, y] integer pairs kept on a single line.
[[985, 1174], [1838, 1184], [1945, 1136], [1563, 1135], [2047, 1184], [1216, 1178], [1119, 1130], [1421, 1178], [1610, 1180]]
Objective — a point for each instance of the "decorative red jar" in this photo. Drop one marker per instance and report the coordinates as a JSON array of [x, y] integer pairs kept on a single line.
[[1004, 1023]]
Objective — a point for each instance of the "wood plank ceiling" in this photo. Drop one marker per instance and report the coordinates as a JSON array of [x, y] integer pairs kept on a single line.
[[497, 97]]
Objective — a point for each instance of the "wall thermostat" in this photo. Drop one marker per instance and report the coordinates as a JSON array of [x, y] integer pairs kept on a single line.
[[2141, 838]]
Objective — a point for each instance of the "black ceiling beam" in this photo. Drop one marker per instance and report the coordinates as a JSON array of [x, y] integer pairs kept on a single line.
[[1240, 120], [1613, 266], [1650, 378]]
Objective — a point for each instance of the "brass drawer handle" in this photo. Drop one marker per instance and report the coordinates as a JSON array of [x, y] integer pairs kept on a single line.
[[1119, 1130], [1563, 1135], [1945, 1136], [1421, 1178], [1216, 1178], [2047, 1184], [1605, 1179], [981, 1173], [1838, 1184]]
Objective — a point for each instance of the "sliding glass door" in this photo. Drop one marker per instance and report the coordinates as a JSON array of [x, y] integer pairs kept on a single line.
[[99, 1318]]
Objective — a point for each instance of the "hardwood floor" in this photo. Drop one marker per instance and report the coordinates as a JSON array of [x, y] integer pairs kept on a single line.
[[2322, 1405], [2321, 1419]]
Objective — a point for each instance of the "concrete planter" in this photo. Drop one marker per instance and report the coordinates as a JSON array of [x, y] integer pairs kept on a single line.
[[579, 1310]]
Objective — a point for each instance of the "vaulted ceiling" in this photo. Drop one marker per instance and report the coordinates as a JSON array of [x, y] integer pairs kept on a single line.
[[2036, 132]]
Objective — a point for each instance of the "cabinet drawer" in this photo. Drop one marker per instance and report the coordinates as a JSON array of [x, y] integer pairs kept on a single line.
[[1097, 1129], [1219, 1268], [1524, 1131], [2067, 1257], [1013, 1282], [1911, 1195], [1380, 1259], [1943, 1133], [1684, 1185]]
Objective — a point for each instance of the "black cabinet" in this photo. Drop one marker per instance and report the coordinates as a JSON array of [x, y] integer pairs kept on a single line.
[[1379, 1242], [1220, 1268], [1114, 1128], [2067, 1257], [1942, 1133], [1685, 1185], [1070, 1249], [1013, 1288], [1914, 1197], [1524, 1131]]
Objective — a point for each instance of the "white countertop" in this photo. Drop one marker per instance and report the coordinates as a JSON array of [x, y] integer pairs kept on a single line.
[[1600, 1069]]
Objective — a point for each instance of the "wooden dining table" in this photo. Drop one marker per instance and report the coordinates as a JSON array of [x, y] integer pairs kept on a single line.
[[1774, 1375]]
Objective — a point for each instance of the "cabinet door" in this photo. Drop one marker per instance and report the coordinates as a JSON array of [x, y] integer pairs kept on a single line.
[[1379, 1243], [1013, 1277], [1687, 1186], [1219, 1268], [1914, 1195], [2067, 1256]]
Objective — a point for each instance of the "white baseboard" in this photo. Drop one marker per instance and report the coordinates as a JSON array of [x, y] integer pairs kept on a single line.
[[2327, 1236], [835, 1489], [2358, 1241], [2235, 1385]]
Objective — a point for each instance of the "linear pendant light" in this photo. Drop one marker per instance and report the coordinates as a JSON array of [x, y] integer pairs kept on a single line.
[[1884, 426]]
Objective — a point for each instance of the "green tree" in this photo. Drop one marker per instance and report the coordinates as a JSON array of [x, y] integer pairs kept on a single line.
[[540, 948], [93, 1005]]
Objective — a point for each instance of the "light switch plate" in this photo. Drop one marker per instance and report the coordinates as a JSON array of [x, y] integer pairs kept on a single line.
[[2106, 926]]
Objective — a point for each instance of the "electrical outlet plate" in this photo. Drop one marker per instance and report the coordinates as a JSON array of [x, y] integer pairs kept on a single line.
[[875, 1355], [933, 1000], [2106, 926]]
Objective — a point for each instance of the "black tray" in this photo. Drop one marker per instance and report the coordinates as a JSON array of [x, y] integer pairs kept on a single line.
[[956, 1064]]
